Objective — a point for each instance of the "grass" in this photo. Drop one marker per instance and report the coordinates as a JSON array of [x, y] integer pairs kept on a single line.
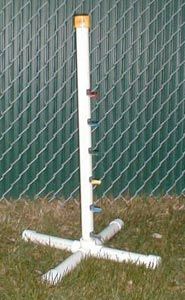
[[21, 263]]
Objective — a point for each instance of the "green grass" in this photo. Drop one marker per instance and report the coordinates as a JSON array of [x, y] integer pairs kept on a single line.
[[21, 263]]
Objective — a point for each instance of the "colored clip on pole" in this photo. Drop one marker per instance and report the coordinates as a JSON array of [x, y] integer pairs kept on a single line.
[[92, 94], [93, 124], [95, 181], [95, 209], [93, 151]]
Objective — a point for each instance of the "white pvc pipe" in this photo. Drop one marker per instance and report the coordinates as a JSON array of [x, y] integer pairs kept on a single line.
[[55, 275], [87, 246], [107, 233], [82, 39], [52, 241], [150, 261]]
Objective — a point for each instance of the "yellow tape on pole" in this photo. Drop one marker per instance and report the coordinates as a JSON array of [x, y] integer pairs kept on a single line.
[[82, 21]]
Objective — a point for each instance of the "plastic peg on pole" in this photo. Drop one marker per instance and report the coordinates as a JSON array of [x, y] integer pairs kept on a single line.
[[92, 94], [95, 181], [93, 151], [93, 124], [95, 209]]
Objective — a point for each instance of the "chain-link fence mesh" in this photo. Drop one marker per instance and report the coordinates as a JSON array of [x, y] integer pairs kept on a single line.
[[137, 52]]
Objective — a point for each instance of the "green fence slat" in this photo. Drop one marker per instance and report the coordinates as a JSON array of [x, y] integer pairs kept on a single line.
[[137, 61]]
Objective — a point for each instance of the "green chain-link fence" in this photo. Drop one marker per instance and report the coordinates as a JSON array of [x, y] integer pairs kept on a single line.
[[137, 52]]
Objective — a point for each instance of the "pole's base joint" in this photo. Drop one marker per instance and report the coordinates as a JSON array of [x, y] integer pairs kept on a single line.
[[87, 248]]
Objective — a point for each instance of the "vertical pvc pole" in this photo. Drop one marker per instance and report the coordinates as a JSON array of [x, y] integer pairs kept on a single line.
[[82, 25]]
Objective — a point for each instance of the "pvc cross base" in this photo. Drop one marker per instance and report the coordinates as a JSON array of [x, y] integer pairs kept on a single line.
[[85, 248]]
